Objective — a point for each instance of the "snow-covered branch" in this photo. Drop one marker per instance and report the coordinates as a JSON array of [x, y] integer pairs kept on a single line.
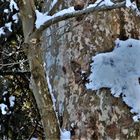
[[70, 13]]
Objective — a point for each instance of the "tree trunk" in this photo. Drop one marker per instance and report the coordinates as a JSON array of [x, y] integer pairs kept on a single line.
[[41, 93], [34, 51], [94, 114]]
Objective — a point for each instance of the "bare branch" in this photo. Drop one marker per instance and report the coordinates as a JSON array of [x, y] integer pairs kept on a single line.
[[59, 18], [14, 72], [11, 64]]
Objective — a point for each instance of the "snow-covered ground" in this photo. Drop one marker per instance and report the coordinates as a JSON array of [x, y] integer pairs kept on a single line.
[[119, 70]]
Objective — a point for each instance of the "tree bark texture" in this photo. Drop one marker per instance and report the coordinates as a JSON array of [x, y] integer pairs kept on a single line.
[[70, 46], [34, 51]]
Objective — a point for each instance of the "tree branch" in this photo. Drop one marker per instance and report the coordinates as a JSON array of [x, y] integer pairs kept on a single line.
[[14, 72], [54, 7], [14, 63], [65, 16]]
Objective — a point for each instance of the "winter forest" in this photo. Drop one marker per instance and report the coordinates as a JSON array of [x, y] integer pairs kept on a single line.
[[69, 70]]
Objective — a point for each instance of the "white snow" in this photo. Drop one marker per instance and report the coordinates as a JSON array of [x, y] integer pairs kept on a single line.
[[64, 11], [128, 3], [5, 92], [12, 101], [100, 3], [41, 18], [119, 70], [13, 5], [2, 31], [8, 25], [108, 3], [133, 6], [51, 92], [65, 135], [3, 108], [34, 138], [6, 11], [15, 18]]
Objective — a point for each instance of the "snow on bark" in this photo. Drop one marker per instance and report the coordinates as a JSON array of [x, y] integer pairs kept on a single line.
[[65, 135], [108, 3], [51, 92], [119, 70], [128, 3], [41, 18], [70, 12], [132, 6]]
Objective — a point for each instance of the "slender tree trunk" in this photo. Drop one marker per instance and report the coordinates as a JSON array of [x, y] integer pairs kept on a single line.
[[41, 93], [33, 49]]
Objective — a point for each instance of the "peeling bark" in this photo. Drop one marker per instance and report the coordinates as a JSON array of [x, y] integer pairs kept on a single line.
[[93, 114]]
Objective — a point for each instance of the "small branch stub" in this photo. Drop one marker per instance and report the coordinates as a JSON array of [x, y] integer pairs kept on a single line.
[[33, 41], [79, 5]]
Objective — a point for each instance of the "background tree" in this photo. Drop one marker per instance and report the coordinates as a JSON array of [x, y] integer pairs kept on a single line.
[[20, 121]]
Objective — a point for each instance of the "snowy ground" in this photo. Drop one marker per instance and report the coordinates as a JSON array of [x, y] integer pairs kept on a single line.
[[119, 70]]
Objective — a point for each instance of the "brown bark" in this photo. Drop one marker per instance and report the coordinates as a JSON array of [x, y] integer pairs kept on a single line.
[[39, 85], [41, 93]]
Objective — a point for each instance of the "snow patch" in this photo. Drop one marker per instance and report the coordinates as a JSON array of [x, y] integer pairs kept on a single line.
[[3, 108], [15, 18], [128, 3], [34, 138], [65, 135], [2, 31], [13, 5], [8, 25], [100, 3], [12, 101], [51, 92], [133, 6], [119, 70], [108, 3], [6, 11], [41, 18], [64, 11]]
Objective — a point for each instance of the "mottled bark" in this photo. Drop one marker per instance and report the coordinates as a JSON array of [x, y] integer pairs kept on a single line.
[[94, 114]]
